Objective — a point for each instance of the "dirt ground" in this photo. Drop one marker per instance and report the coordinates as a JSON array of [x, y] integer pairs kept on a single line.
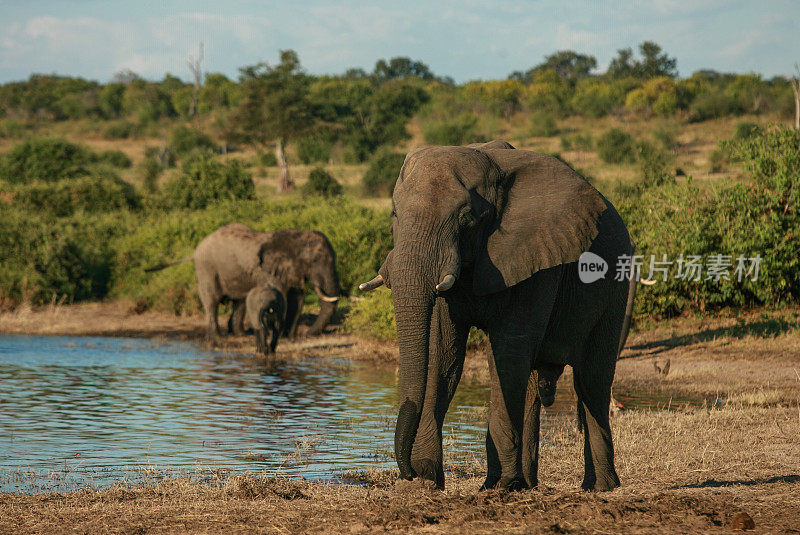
[[725, 453]]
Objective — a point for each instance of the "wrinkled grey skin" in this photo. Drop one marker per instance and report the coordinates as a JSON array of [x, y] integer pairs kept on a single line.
[[233, 259], [509, 225], [266, 308]]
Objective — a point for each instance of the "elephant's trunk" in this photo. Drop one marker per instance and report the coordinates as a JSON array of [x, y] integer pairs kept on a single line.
[[412, 308]]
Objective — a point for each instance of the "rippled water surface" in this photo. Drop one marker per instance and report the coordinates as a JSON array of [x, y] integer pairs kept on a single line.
[[94, 411]]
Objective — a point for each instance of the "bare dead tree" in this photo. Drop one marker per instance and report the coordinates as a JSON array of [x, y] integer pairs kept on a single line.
[[795, 83], [195, 65]]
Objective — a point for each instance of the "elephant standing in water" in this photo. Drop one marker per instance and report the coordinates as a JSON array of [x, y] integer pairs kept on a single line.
[[490, 236], [233, 259], [266, 307]]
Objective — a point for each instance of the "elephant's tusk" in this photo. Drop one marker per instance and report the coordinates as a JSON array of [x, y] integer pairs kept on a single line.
[[371, 285], [324, 297], [447, 282], [648, 282]]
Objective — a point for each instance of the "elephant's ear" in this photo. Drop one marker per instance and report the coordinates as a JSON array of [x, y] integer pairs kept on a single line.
[[547, 215], [280, 267]]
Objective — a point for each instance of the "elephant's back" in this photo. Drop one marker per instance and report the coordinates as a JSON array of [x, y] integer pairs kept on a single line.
[[230, 254]]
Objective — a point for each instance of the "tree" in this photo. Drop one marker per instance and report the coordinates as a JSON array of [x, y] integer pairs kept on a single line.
[[654, 63], [622, 66], [402, 67], [795, 83], [196, 66], [568, 64], [275, 107]]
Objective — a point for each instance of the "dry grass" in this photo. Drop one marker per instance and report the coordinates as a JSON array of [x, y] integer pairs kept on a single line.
[[681, 472]]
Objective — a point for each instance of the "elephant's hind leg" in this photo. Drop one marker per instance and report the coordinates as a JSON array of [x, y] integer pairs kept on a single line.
[[210, 301]]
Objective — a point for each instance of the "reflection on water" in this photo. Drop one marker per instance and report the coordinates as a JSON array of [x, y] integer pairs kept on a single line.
[[90, 411]]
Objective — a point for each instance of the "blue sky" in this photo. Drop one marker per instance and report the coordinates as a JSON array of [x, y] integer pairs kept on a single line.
[[464, 39]]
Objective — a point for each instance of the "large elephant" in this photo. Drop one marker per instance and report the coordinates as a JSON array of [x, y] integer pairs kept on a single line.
[[490, 236], [233, 259]]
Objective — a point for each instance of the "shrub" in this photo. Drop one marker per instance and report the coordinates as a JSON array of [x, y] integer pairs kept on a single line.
[[749, 219], [320, 182], [204, 181], [745, 130], [114, 158], [44, 159], [382, 173], [149, 169], [45, 258], [457, 131], [616, 146], [373, 316], [267, 159], [122, 130], [717, 161], [542, 124], [101, 191], [184, 140], [313, 149], [667, 136], [712, 104], [656, 165], [11, 129]]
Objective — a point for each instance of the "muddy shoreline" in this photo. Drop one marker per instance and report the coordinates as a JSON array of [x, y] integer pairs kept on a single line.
[[690, 469]]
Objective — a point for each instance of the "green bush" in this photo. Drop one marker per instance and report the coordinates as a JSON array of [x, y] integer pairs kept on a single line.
[[267, 159], [657, 165], [667, 136], [712, 104], [381, 175], [45, 160], [320, 182], [616, 146], [114, 158], [313, 149], [184, 140], [149, 169], [542, 124], [101, 191], [122, 130], [745, 130], [46, 258], [373, 316], [456, 131], [717, 161], [204, 181], [747, 219], [11, 129]]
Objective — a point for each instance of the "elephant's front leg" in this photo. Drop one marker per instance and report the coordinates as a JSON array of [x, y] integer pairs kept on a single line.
[[530, 431], [294, 306], [510, 371], [448, 343]]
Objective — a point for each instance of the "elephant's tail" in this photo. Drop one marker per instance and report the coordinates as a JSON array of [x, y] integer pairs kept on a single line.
[[159, 267], [626, 323]]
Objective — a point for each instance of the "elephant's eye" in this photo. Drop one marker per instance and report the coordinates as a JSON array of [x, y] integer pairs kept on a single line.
[[466, 219]]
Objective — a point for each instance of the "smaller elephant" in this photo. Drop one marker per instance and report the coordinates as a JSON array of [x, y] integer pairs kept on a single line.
[[266, 308]]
